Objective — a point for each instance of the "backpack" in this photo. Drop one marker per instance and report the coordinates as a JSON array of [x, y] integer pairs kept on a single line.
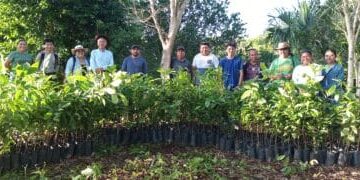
[[73, 65]]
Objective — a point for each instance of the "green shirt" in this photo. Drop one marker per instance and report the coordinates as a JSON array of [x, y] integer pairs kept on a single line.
[[16, 58], [283, 66]]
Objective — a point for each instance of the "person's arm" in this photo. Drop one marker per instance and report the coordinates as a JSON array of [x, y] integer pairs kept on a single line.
[[193, 67], [8, 61], [241, 69], [216, 61], [68, 67], [144, 68], [92, 61], [111, 60], [273, 75], [124, 65]]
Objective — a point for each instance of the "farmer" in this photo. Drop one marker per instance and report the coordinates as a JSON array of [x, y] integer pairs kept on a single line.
[[20, 56], [203, 61], [333, 72], [306, 71], [134, 63], [252, 67], [232, 67], [179, 62], [77, 62], [282, 67], [48, 59], [101, 58]]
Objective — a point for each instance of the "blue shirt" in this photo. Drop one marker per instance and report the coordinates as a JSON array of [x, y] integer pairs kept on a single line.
[[70, 64], [101, 59], [231, 69], [333, 76], [134, 65]]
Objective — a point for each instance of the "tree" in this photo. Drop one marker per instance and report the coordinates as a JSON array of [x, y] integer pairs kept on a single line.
[[166, 31]]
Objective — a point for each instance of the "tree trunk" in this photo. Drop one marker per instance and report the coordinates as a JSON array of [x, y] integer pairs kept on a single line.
[[351, 64], [358, 79], [166, 55]]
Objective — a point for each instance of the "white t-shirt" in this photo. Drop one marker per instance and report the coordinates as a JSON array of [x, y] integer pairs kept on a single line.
[[302, 74], [204, 62]]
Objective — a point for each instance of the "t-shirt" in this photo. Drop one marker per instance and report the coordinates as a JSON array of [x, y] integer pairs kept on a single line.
[[251, 71], [134, 65], [177, 65], [302, 74], [16, 58], [48, 64], [283, 66], [231, 69], [202, 63], [101, 59]]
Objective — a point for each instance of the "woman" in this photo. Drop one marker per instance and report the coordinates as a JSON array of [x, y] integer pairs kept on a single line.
[[78, 62], [282, 67], [333, 72], [20, 56], [306, 71]]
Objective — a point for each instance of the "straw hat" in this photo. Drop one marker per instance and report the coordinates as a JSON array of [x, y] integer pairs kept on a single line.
[[79, 47], [283, 45]]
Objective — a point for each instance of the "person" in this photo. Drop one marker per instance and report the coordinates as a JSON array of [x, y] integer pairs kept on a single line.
[[48, 59], [180, 62], [306, 71], [232, 67], [77, 62], [333, 72], [134, 63], [20, 56], [203, 61], [101, 58], [252, 68], [282, 67]]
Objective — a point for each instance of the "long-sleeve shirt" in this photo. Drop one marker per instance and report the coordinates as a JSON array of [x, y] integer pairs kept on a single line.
[[333, 75], [72, 68], [134, 65], [101, 59]]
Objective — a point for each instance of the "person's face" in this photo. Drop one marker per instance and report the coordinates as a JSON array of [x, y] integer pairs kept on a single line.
[[22, 46], [306, 58], [49, 46], [230, 50], [253, 56], [330, 57], [205, 50], [80, 54], [101, 43], [180, 54], [284, 53], [135, 52]]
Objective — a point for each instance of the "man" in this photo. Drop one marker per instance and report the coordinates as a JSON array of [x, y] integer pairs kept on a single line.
[[20, 56], [232, 68], [204, 60], [180, 62], [135, 63], [282, 67], [48, 59], [101, 58], [252, 68]]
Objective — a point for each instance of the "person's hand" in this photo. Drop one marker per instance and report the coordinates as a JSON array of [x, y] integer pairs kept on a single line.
[[277, 77], [288, 76], [99, 70]]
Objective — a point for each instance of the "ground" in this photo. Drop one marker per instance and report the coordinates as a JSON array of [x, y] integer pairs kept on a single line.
[[176, 162]]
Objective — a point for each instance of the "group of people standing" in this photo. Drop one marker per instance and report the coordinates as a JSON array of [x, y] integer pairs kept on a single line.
[[100, 59], [234, 70]]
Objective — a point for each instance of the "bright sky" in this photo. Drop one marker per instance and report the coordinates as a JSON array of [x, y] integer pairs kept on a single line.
[[255, 12]]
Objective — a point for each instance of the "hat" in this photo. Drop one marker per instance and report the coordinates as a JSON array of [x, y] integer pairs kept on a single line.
[[79, 47], [135, 46], [283, 45], [180, 48]]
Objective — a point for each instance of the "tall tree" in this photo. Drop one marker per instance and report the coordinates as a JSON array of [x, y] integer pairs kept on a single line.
[[167, 31]]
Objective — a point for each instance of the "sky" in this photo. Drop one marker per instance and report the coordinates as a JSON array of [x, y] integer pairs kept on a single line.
[[255, 13]]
